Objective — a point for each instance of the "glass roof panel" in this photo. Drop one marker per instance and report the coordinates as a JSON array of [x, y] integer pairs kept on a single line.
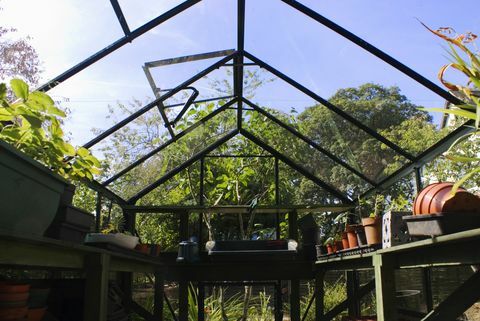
[[324, 62], [62, 32], [170, 157]]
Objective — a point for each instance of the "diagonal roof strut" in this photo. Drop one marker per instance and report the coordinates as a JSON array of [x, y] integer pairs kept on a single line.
[[373, 50], [118, 44], [182, 166], [331, 106], [168, 143], [332, 190], [309, 141]]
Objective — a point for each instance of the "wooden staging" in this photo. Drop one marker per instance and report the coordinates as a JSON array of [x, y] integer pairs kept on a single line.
[[448, 250]]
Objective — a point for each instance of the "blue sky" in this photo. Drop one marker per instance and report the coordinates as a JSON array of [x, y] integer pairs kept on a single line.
[[67, 31]]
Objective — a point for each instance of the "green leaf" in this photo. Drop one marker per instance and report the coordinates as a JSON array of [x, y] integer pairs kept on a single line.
[[39, 101], [51, 109], [457, 112], [33, 120], [463, 180], [83, 152], [20, 88], [68, 149], [462, 159], [3, 91]]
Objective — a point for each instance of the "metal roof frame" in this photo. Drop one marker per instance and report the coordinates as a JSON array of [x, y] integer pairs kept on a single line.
[[238, 56]]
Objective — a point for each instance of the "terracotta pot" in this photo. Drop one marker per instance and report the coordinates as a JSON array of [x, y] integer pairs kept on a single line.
[[361, 238], [36, 314], [373, 229], [352, 236], [13, 313], [155, 249], [345, 244], [437, 198], [14, 297], [338, 246], [8, 287], [329, 248], [13, 293], [143, 248]]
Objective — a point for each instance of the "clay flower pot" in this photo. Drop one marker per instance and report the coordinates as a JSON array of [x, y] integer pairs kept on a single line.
[[143, 248], [36, 314], [345, 243], [12, 292], [329, 248], [373, 229], [155, 249], [437, 198], [352, 236], [338, 246]]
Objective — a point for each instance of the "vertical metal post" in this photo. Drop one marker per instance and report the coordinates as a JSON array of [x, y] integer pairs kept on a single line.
[[277, 199], [418, 179], [183, 300], [158, 296], [319, 295], [295, 300], [292, 225], [98, 213], [427, 288], [201, 301], [352, 294], [201, 201], [238, 61], [278, 301], [183, 228]]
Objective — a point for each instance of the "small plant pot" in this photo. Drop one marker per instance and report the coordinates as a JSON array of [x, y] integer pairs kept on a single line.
[[373, 229], [330, 248], [345, 244], [36, 314], [143, 248], [352, 236], [338, 246], [13, 313], [155, 249], [361, 237], [321, 250]]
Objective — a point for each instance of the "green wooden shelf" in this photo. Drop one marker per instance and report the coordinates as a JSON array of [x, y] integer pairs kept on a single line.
[[446, 250]]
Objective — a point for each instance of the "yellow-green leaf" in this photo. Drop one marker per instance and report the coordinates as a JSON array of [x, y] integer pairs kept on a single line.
[[20, 88]]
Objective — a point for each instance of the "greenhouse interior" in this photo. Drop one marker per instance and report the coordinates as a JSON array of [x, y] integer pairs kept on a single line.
[[239, 160]]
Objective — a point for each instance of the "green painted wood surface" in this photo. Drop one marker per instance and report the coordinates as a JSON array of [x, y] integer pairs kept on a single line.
[[294, 300], [96, 287], [385, 288], [30, 193]]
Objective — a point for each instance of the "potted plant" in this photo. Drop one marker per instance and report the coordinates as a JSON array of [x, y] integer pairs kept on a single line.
[[329, 244], [35, 160], [466, 62], [373, 223]]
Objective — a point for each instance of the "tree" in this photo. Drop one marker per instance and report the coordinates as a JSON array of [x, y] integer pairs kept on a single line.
[[17, 58], [384, 110]]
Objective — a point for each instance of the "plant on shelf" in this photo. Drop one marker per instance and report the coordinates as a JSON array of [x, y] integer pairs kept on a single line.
[[466, 61], [373, 223], [35, 160], [32, 124]]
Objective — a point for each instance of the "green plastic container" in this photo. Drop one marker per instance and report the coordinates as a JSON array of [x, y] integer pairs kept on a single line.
[[29, 193]]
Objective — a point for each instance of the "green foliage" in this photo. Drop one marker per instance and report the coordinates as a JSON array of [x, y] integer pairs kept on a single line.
[[32, 124], [466, 61]]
